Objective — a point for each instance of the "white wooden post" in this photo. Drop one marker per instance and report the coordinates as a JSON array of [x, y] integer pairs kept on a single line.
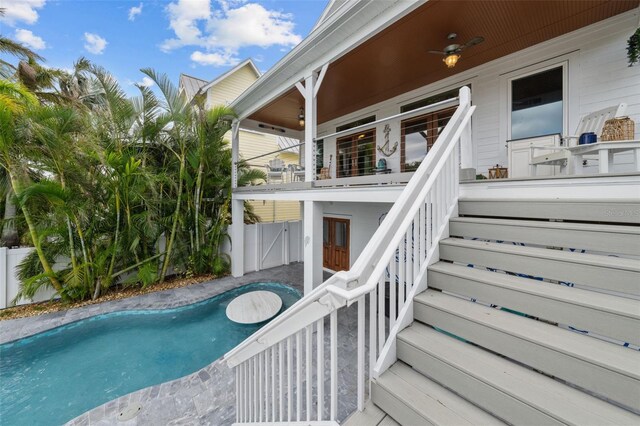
[[235, 152], [312, 209], [4, 274], [468, 171], [237, 238], [312, 245]]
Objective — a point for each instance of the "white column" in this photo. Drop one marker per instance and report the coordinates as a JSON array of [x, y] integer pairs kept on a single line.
[[312, 245], [468, 171], [4, 274], [235, 152], [310, 127], [237, 238]]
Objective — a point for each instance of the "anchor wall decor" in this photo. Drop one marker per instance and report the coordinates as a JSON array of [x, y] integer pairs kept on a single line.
[[384, 149]]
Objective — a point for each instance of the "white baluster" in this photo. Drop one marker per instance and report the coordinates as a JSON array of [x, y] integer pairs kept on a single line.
[[298, 375], [267, 379], [381, 321], [320, 366], [372, 335], [393, 290], [415, 237], [255, 388], [281, 378], [289, 379], [361, 308], [273, 383], [409, 262], [260, 374], [308, 370], [333, 327], [423, 237]]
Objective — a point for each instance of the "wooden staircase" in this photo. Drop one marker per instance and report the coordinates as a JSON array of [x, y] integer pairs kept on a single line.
[[501, 335]]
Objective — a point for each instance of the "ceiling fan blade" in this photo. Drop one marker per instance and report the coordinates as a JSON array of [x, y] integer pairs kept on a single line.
[[474, 41], [437, 52]]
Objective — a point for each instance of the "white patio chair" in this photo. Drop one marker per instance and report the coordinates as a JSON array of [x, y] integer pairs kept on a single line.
[[297, 172], [275, 170], [563, 157]]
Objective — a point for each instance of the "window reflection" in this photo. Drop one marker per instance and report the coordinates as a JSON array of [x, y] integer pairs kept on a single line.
[[537, 104]]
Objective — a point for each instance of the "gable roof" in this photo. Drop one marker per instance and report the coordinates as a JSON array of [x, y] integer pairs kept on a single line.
[[221, 77], [191, 85]]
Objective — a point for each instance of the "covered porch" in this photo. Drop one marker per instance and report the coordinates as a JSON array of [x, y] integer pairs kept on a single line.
[[367, 101]]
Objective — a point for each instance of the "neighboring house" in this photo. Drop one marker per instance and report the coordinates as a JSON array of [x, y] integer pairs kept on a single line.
[[223, 90], [405, 102]]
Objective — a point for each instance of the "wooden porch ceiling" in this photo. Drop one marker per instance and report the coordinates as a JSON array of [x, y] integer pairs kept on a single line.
[[396, 61]]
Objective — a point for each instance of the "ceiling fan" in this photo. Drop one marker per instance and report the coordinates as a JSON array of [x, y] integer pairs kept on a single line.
[[452, 52]]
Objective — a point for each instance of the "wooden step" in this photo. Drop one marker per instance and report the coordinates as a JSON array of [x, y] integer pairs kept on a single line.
[[604, 272], [412, 399], [611, 316], [509, 391], [604, 368], [610, 211], [586, 236], [370, 416]]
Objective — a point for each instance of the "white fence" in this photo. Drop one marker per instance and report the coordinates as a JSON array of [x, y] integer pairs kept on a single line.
[[266, 245], [9, 283]]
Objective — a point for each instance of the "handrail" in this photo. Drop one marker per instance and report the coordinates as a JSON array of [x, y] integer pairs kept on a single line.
[[343, 281], [352, 295]]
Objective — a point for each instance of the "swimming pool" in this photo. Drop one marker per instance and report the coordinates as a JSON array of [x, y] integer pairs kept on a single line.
[[54, 376]]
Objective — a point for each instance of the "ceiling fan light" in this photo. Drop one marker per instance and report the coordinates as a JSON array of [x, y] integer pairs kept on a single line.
[[451, 60]]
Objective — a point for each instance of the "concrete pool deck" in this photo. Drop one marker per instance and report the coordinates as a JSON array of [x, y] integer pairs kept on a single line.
[[206, 397]]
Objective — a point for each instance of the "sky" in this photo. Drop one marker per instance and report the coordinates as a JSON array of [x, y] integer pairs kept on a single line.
[[202, 38]]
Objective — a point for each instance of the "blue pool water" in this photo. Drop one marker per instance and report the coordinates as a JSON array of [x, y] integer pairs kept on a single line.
[[53, 377]]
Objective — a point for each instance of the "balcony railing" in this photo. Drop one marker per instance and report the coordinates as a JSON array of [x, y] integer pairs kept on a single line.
[[362, 155]]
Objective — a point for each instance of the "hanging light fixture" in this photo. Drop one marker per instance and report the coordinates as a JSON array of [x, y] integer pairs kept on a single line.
[[451, 60], [301, 118]]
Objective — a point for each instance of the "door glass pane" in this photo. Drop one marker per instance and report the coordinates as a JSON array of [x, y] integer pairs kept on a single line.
[[341, 234], [356, 154], [536, 104], [325, 232], [416, 140]]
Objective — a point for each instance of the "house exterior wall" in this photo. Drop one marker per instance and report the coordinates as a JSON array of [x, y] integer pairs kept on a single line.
[[598, 77], [364, 220], [227, 90]]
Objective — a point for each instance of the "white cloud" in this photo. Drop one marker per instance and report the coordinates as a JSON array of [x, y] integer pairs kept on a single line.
[[224, 31], [135, 11], [217, 59], [21, 11], [94, 43], [146, 82], [29, 39]]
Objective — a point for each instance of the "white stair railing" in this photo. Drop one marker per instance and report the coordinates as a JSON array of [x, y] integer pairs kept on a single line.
[[275, 366]]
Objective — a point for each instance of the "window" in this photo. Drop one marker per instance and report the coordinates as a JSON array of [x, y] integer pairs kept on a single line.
[[537, 104], [356, 154], [418, 135]]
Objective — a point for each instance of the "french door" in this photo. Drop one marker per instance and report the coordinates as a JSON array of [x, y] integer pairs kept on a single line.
[[335, 244]]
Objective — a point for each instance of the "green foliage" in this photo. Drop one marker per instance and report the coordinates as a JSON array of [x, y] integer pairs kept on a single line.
[[112, 190], [633, 48]]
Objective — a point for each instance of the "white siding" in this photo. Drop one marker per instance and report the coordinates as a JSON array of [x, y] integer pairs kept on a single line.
[[598, 77]]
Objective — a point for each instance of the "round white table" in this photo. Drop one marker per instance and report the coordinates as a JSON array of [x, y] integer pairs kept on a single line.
[[254, 307]]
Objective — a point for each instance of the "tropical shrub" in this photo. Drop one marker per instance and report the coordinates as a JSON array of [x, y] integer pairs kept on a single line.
[[111, 190]]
